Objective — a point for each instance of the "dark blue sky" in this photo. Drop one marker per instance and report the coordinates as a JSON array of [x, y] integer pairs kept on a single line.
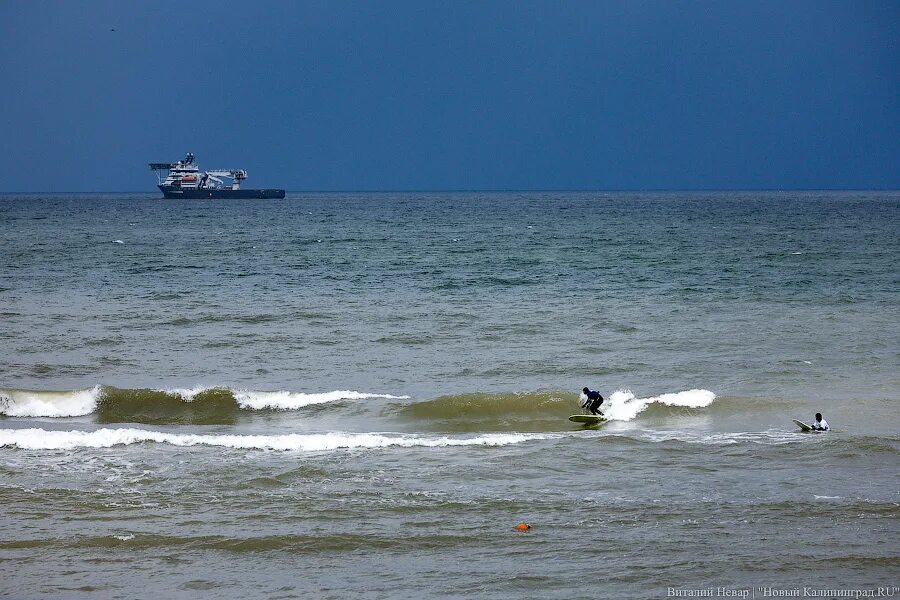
[[421, 95]]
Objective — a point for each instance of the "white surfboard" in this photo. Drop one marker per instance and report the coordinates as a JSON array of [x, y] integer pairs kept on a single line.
[[803, 426]]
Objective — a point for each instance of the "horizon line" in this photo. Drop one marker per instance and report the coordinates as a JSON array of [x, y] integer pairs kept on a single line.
[[494, 190]]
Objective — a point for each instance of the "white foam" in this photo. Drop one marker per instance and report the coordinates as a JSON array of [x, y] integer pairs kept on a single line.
[[31, 403], [187, 394], [623, 406], [771, 437], [283, 400], [292, 400], [40, 439]]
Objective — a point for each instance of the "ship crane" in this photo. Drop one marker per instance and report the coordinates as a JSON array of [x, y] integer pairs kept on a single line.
[[236, 175]]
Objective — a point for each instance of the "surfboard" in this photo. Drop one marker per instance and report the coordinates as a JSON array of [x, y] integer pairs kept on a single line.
[[587, 419], [803, 426]]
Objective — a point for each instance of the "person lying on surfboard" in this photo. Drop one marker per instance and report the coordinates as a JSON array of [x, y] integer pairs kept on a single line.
[[591, 401], [820, 424]]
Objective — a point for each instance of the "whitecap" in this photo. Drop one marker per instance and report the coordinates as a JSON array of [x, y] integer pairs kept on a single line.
[[624, 406], [187, 394], [283, 400], [31, 403]]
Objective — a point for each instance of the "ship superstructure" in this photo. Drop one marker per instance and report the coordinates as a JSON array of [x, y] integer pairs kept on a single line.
[[185, 180]]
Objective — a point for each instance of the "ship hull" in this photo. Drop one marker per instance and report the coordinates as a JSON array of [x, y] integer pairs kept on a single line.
[[204, 194]]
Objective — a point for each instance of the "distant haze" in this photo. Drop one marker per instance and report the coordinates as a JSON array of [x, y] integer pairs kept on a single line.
[[422, 95]]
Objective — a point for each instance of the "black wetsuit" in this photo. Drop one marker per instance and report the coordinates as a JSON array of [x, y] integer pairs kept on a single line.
[[593, 402]]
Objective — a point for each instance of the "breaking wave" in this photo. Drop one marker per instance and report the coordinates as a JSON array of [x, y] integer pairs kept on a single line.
[[41, 439], [622, 405], [198, 405], [218, 405], [32, 403]]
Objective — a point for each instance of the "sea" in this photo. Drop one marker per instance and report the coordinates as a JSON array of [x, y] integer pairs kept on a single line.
[[366, 395]]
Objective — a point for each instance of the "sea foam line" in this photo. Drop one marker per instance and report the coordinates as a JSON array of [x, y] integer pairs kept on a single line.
[[41, 439], [771, 437]]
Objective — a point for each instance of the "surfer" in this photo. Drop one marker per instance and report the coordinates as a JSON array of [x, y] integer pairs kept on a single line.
[[820, 424], [591, 401]]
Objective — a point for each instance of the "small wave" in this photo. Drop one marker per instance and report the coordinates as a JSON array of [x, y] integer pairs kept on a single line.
[[532, 411], [292, 543], [523, 411], [41, 439], [622, 405], [486, 405], [197, 405]]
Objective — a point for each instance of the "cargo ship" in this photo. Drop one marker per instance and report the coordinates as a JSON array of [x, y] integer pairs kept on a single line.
[[185, 180]]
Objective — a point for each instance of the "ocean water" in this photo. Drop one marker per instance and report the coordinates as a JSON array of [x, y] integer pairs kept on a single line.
[[360, 395]]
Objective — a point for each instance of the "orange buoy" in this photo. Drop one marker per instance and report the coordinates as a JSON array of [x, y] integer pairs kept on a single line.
[[522, 527]]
